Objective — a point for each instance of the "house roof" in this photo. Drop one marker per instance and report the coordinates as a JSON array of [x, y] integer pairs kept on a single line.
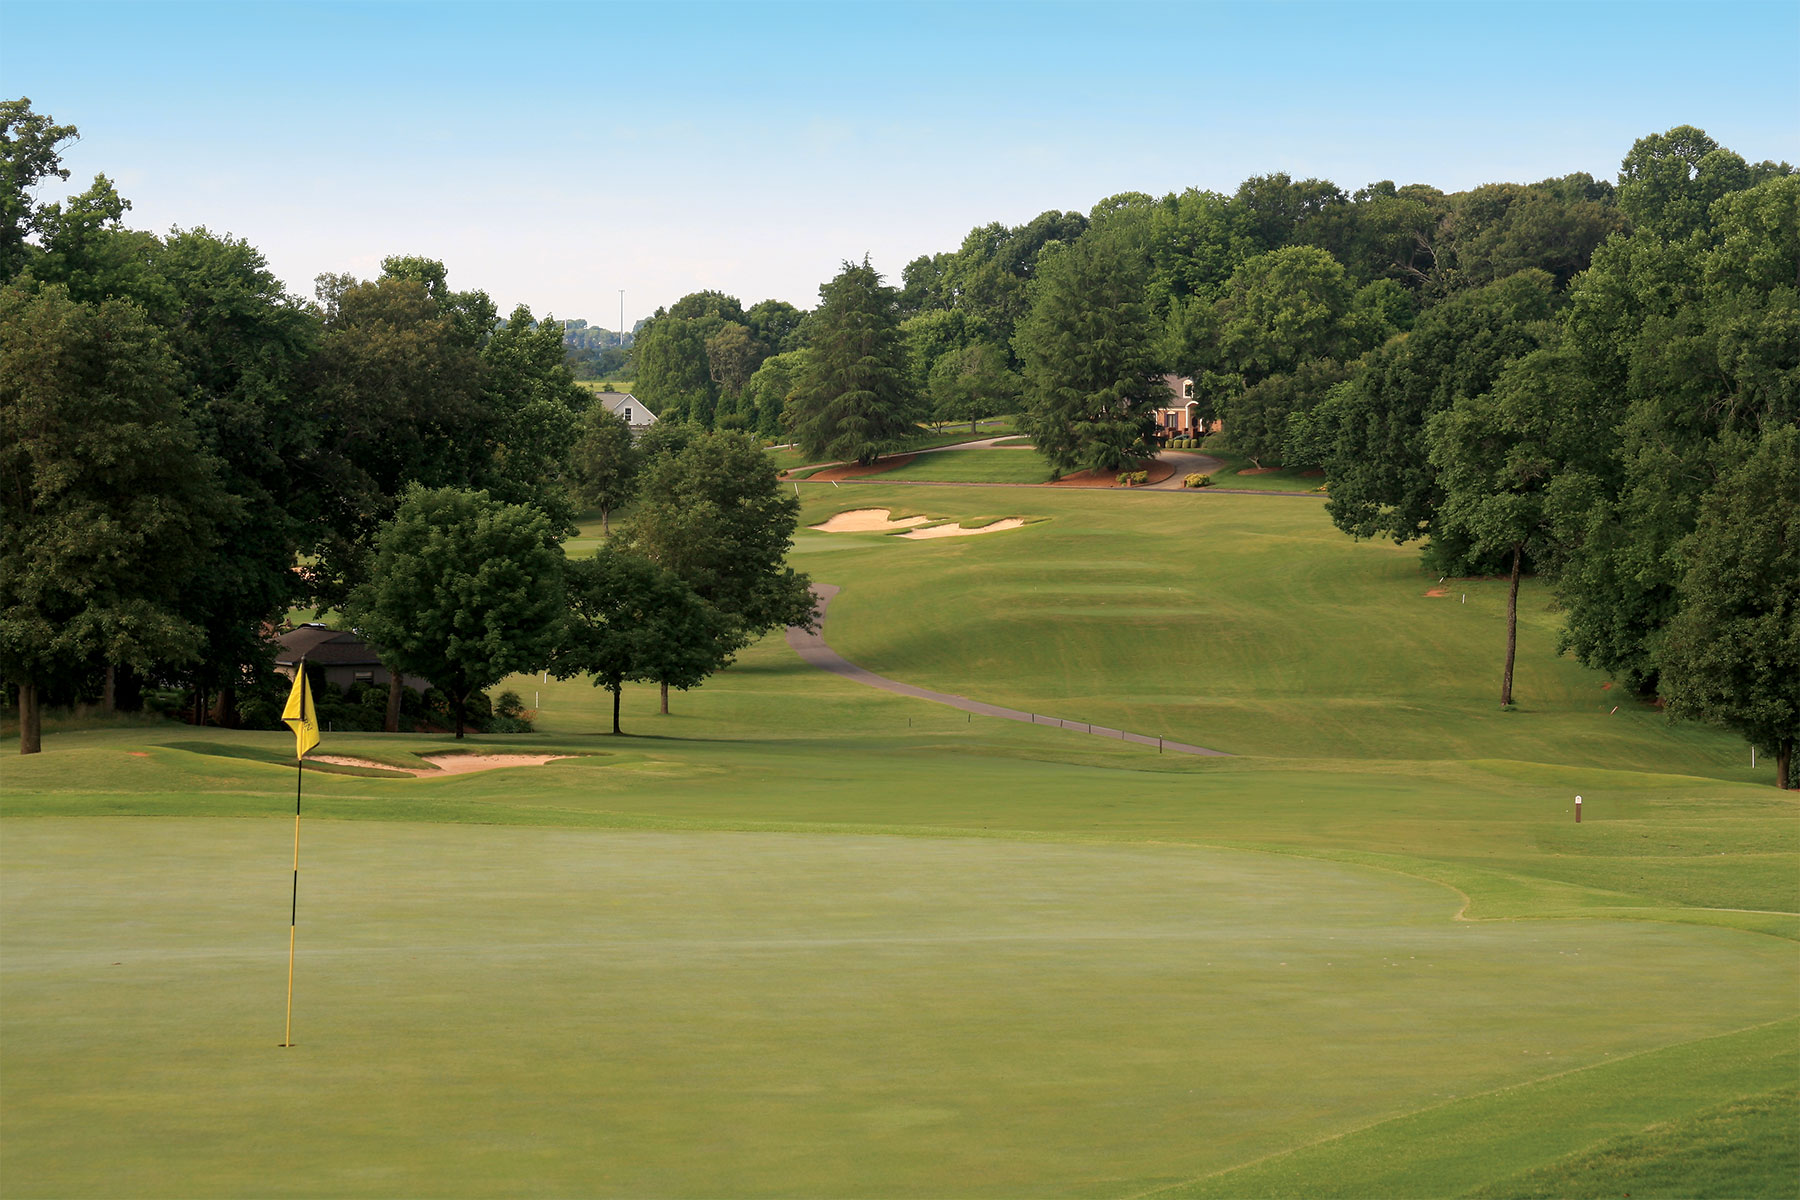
[[326, 647], [614, 401]]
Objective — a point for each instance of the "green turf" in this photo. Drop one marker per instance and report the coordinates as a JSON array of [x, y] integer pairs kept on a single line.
[[565, 1012], [803, 937], [974, 466], [1279, 479]]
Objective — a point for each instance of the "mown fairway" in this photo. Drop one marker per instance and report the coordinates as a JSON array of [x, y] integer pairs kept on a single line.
[[803, 937]]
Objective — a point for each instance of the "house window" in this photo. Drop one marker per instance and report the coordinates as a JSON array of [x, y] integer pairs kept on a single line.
[[1187, 390], [628, 414], [365, 677]]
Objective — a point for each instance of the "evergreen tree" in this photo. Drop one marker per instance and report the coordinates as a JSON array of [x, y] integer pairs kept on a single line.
[[857, 398], [1087, 344]]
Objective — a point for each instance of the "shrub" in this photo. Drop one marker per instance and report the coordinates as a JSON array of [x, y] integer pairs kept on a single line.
[[1132, 478], [1197, 481]]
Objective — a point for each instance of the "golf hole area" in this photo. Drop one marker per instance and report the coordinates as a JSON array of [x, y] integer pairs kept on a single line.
[[633, 1013]]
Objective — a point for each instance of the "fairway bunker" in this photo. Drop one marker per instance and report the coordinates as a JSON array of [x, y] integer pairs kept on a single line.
[[447, 764], [944, 531], [881, 520], [868, 520]]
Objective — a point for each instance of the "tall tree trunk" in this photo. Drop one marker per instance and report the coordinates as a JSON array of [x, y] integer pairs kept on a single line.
[[1512, 625], [461, 701], [31, 720], [615, 692], [225, 708], [128, 690], [605, 523], [1784, 761], [109, 691], [391, 722], [199, 706], [665, 699]]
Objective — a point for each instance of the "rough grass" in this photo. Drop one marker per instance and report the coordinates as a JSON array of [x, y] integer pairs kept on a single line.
[[802, 937]]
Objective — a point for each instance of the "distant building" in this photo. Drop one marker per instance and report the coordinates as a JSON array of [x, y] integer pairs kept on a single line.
[[345, 658], [628, 406], [1180, 417]]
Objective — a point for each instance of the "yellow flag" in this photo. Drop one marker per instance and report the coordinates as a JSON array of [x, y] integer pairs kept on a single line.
[[300, 715]]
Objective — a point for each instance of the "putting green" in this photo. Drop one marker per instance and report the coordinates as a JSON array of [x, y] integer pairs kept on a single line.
[[489, 1010]]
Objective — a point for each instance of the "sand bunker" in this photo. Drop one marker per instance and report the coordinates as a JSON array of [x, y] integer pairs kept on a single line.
[[447, 764], [867, 520], [944, 531]]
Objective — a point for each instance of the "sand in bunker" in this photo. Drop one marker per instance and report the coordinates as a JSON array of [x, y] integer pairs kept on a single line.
[[943, 531], [867, 520], [449, 764]]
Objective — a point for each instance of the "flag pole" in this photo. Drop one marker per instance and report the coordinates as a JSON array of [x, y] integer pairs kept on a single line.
[[287, 1036], [303, 719]]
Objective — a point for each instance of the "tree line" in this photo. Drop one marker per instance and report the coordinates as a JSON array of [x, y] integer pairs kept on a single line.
[[1595, 381], [187, 453], [1577, 377]]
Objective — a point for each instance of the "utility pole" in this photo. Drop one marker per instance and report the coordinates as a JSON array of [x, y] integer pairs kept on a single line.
[[621, 317]]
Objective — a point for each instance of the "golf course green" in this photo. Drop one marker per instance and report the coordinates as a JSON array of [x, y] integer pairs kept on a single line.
[[804, 937]]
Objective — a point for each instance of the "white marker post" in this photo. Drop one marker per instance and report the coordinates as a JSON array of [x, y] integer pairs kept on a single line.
[[1578, 810]]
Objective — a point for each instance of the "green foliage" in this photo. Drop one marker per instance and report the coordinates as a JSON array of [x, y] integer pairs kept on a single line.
[[1088, 351], [1382, 480], [630, 619], [973, 383], [29, 153], [1284, 308], [1261, 418], [464, 591], [1692, 343], [673, 375], [775, 324], [1669, 181], [111, 504], [604, 463], [856, 399], [535, 406], [929, 336], [397, 391], [1196, 480], [769, 390], [713, 514], [1731, 653]]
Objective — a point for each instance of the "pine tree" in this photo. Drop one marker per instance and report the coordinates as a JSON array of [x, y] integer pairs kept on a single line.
[[856, 399], [1087, 345]]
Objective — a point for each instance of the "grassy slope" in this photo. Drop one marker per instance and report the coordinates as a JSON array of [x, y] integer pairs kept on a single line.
[[1040, 1062], [974, 466], [1281, 479]]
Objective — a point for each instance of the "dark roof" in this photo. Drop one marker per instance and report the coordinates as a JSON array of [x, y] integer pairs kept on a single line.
[[327, 647]]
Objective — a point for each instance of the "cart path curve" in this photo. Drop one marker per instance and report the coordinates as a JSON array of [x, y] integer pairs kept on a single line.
[[812, 649]]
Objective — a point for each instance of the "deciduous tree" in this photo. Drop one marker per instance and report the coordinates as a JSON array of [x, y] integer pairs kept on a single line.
[[110, 502], [464, 591], [630, 619], [1731, 654], [604, 463], [713, 513]]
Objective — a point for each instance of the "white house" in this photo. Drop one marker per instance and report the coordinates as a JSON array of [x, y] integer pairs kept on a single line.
[[624, 404]]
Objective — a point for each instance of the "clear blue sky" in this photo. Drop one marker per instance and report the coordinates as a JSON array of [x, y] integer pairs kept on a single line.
[[554, 153]]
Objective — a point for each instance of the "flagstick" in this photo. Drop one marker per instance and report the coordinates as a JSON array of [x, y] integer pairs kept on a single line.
[[287, 1037]]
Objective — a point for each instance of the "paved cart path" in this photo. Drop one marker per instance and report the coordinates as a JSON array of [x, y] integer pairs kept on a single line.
[[811, 648]]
